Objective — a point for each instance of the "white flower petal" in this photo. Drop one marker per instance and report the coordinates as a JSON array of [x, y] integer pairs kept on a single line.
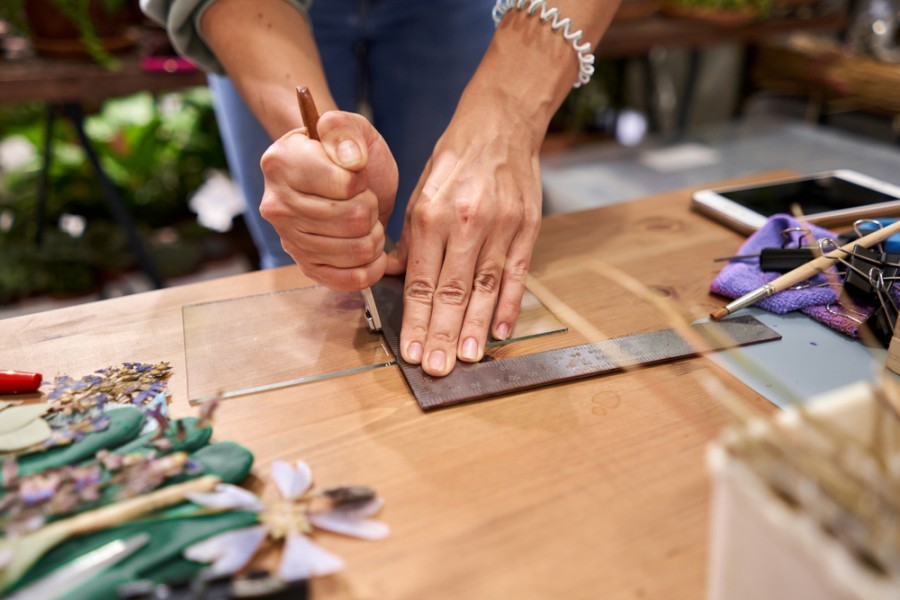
[[304, 474], [336, 521], [302, 559], [291, 482], [227, 496], [228, 551], [6, 556]]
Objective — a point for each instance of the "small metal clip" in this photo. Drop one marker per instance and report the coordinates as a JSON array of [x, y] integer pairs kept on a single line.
[[845, 312]]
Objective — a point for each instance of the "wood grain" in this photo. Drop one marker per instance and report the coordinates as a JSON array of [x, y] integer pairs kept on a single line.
[[590, 489]]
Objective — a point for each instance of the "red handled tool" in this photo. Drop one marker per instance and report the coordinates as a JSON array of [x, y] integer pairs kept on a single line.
[[19, 382]]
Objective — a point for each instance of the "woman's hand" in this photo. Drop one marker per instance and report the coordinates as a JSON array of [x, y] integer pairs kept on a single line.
[[466, 246], [329, 200]]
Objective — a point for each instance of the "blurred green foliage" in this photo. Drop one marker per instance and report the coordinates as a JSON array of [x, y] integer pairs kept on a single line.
[[582, 105], [156, 150]]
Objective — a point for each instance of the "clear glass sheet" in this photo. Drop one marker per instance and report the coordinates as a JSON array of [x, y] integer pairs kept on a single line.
[[267, 341]]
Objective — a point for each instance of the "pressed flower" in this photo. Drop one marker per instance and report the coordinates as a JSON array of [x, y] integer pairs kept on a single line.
[[132, 383], [28, 501], [292, 518]]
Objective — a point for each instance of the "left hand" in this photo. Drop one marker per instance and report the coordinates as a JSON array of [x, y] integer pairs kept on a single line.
[[467, 241]]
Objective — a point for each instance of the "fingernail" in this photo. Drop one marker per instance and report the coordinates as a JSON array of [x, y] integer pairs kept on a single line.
[[437, 361], [348, 153], [414, 352], [502, 331], [470, 349]]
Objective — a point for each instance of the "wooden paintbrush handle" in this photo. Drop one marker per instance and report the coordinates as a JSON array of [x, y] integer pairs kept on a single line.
[[804, 272], [817, 265]]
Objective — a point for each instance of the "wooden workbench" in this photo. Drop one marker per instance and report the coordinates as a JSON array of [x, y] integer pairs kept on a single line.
[[592, 489]]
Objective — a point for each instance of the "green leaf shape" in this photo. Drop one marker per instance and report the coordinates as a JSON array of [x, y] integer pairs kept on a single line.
[[33, 433], [124, 424], [194, 439], [229, 461], [17, 417], [160, 558]]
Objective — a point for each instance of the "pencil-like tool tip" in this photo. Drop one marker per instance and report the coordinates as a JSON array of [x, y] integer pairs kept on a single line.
[[718, 314], [308, 111]]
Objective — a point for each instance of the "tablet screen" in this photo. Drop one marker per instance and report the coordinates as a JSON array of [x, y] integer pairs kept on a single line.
[[817, 195]]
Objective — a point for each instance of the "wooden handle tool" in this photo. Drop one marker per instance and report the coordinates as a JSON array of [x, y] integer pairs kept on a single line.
[[310, 120], [804, 272]]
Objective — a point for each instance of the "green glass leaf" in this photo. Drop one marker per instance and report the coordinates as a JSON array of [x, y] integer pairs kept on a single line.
[[124, 425], [17, 417], [33, 433]]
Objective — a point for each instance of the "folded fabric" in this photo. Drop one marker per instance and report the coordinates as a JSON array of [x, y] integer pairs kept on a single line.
[[815, 299], [744, 275]]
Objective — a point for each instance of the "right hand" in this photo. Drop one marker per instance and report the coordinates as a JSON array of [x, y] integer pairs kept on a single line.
[[330, 200]]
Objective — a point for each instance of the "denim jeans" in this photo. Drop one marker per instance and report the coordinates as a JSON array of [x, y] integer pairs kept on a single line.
[[409, 60]]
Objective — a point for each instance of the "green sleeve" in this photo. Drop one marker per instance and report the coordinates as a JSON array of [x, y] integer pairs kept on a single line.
[[181, 19]]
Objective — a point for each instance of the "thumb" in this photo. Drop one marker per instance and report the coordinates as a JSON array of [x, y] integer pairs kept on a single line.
[[396, 259], [343, 136]]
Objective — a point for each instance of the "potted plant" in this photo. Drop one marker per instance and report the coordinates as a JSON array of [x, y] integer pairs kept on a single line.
[[726, 13], [69, 28]]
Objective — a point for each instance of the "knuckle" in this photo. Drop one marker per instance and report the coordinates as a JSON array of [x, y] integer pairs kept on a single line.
[[467, 211], [442, 337], [517, 270], [359, 278], [272, 160], [531, 220], [358, 220], [512, 216], [453, 292], [487, 279], [424, 216], [268, 206], [362, 250], [476, 322], [419, 290], [274, 208]]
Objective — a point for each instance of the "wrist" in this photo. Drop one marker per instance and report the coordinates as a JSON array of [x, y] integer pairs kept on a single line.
[[525, 75]]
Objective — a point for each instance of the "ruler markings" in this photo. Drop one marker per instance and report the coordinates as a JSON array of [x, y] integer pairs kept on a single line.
[[500, 376]]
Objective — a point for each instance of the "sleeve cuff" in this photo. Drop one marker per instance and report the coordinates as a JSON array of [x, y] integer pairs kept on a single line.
[[182, 22]]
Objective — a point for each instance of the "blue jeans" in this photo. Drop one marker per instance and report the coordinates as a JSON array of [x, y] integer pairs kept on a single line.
[[409, 59]]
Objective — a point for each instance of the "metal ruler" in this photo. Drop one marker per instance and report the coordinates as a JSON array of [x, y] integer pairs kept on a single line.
[[492, 377]]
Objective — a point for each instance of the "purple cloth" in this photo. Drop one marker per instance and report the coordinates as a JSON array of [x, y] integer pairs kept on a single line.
[[742, 276]]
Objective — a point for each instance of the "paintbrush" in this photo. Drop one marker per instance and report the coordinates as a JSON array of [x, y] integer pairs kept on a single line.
[[310, 120], [804, 272]]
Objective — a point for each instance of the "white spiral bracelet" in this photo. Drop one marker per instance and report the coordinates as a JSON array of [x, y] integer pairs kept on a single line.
[[552, 16]]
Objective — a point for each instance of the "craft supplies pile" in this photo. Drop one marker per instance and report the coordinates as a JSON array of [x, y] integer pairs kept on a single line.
[[858, 289], [103, 495]]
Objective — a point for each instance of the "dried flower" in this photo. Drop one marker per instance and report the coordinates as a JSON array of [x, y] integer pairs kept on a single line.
[[132, 383], [71, 427], [291, 519], [30, 500], [10, 471], [207, 410], [350, 494]]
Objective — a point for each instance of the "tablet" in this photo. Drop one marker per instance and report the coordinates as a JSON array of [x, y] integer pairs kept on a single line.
[[830, 199]]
